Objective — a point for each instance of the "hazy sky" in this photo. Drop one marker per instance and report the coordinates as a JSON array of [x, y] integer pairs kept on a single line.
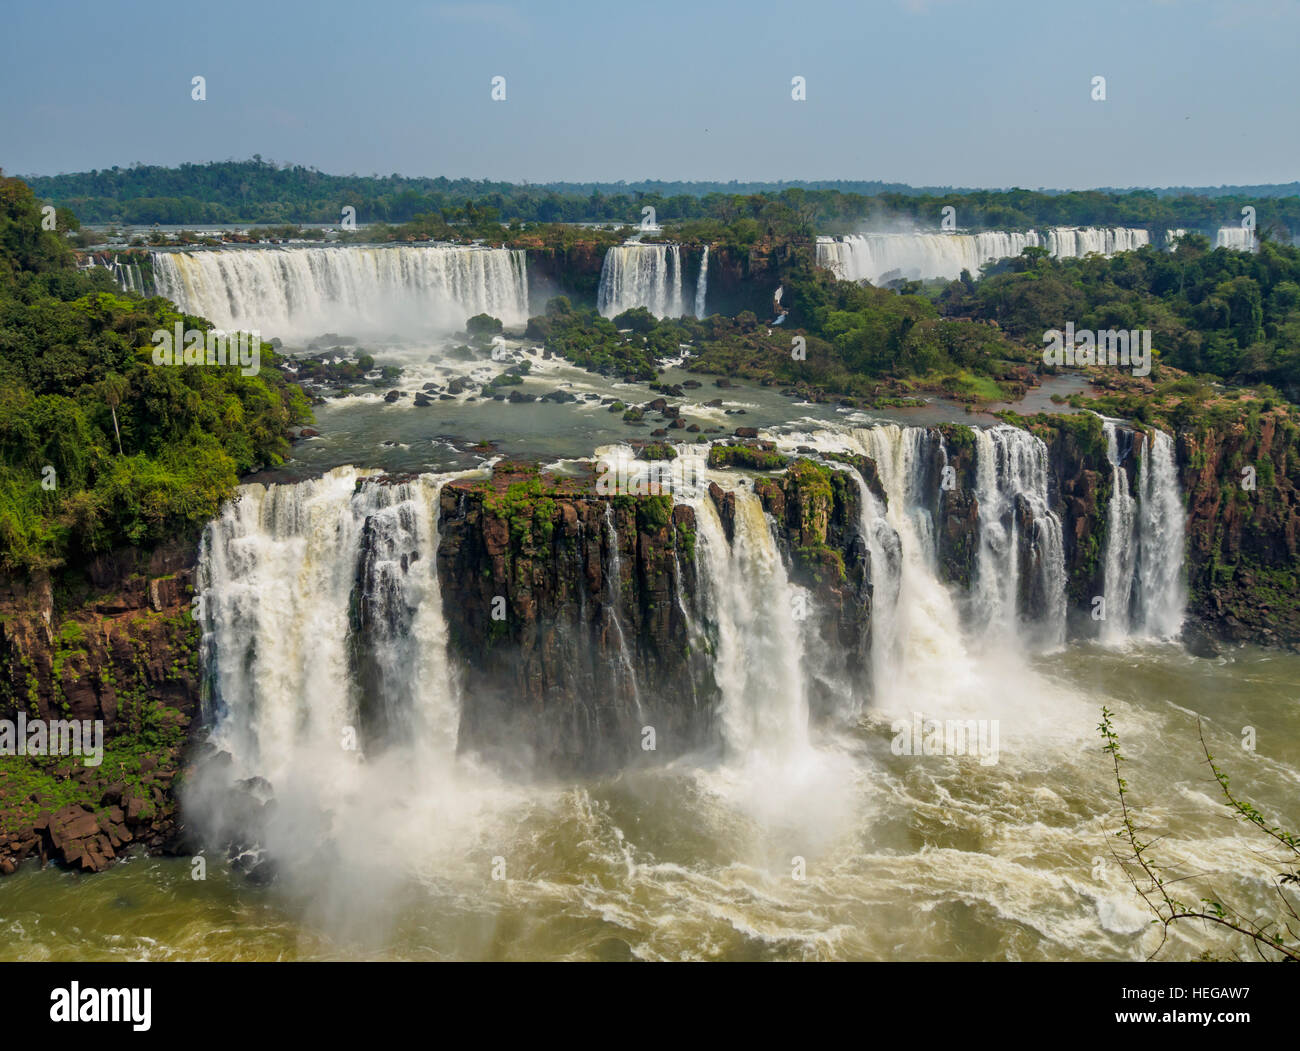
[[944, 92]]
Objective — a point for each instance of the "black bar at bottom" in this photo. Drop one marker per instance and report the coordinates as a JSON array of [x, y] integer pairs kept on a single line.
[[1002, 1002]]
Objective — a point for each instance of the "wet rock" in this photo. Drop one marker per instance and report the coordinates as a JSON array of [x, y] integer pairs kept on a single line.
[[1198, 640]]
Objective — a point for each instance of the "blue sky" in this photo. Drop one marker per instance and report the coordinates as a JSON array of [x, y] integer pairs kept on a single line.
[[943, 92]]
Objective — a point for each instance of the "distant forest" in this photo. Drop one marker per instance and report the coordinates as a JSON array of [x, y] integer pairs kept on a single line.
[[260, 191]]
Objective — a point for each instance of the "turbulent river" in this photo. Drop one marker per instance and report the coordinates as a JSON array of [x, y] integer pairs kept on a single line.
[[791, 840], [917, 859]]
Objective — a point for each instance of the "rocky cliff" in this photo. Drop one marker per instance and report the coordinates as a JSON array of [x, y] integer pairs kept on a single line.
[[118, 645], [571, 621], [817, 510], [1242, 479]]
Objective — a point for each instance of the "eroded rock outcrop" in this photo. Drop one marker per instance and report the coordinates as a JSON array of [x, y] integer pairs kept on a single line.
[[817, 511], [1242, 480], [568, 613], [118, 646]]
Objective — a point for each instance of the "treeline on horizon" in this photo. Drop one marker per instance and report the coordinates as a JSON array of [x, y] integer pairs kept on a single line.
[[259, 191]]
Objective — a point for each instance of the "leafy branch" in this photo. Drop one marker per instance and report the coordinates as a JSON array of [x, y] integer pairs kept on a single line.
[[1272, 939]]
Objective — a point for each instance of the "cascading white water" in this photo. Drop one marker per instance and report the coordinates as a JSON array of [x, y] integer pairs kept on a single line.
[[1143, 565], [702, 283], [1121, 543], [925, 657], [1069, 242], [1162, 595], [878, 257], [280, 570], [297, 293], [1172, 236], [912, 613], [640, 275], [1011, 479], [614, 596], [750, 607], [1237, 238], [127, 275]]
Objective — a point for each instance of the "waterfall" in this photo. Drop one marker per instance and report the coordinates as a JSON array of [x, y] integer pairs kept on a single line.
[[878, 257], [1162, 596], [297, 293], [1172, 236], [1237, 238], [1121, 541], [749, 607], [881, 257], [640, 275], [925, 656], [912, 611], [702, 283], [128, 276], [1143, 560], [615, 598], [1144, 545], [1070, 242], [321, 611], [1017, 524]]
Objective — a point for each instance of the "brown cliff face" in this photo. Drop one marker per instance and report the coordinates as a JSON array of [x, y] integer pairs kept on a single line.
[[567, 270], [118, 646], [599, 630], [744, 278], [1243, 543], [1083, 483], [956, 509], [1242, 559], [567, 614], [817, 510]]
